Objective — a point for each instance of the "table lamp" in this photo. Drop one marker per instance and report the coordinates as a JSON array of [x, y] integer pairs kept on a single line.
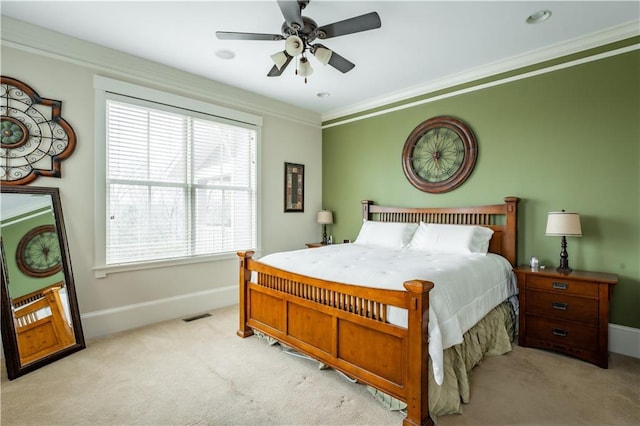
[[564, 224], [325, 217]]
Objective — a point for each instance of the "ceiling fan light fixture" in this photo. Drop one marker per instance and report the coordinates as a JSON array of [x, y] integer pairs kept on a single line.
[[299, 33], [304, 67], [294, 45], [279, 59], [322, 55]]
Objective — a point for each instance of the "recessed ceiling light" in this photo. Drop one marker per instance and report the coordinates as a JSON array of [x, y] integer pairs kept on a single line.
[[538, 17], [225, 54], [323, 95]]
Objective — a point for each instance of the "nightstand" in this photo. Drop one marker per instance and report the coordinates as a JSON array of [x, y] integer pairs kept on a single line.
[[566, 312], [315, 245]]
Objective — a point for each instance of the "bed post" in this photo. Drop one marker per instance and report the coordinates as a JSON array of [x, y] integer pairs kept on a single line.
[[62, 328], [366, 211], [245, 277], [418, 359], [510, 249]]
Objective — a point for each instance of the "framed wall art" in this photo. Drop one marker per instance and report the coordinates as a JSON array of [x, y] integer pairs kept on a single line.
[[293, 187], [35, 138]]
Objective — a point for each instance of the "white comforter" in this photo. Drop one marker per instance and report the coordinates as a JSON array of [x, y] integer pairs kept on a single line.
[[466, 287]]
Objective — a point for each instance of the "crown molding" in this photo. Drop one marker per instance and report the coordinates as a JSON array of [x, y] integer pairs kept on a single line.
[[34, 39], [481, 86], [533, 57]]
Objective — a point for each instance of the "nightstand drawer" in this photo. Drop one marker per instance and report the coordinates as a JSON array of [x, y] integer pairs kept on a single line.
[[563, 333], [560, 284], [562, 306]]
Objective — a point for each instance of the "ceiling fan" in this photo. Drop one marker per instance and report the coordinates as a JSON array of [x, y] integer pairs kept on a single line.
[[300, 33]]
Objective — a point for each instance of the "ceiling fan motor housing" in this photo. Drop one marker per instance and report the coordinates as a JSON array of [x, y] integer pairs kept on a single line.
[[308, 32]]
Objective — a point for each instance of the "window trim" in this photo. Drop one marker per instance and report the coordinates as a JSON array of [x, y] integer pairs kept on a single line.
[[104, 86]]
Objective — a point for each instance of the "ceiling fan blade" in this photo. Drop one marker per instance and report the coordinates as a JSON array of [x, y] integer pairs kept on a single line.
[[227, 35], [338, 62], [369, 21], [292, 13], [275, 72]]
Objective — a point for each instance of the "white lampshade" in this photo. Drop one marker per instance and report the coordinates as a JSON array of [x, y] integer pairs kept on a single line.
[[294, 45], [323, 55], [279, 59], [564, 224], [304, 68], [325, 217]]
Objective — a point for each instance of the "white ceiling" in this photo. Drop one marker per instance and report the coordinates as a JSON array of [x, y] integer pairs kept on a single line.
[[12, 205], [421, 44]]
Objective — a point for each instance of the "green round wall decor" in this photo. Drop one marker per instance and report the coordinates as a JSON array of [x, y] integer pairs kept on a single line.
[[38, 253], [439, 154]]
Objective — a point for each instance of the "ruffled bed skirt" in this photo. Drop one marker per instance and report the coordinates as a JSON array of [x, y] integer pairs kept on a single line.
[[492, 335]]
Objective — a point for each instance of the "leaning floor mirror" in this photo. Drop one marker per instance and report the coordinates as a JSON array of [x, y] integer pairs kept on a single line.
[[40, 316]]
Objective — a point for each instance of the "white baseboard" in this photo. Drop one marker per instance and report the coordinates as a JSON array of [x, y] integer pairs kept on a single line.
[[624, 340], [101, 323]]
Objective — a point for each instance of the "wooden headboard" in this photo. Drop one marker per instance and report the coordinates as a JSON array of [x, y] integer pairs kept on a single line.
[[502, 218]]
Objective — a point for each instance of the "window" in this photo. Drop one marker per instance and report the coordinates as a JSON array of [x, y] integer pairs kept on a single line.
[[178, 183]]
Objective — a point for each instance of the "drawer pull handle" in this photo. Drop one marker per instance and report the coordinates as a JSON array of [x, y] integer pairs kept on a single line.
[[559, 332], [560, 286], [560, 306]]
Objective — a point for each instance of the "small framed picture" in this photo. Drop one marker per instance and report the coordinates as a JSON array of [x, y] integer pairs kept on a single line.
[[293, 187]]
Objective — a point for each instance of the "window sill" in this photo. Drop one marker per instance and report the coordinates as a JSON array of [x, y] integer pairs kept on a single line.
[[103, 271]]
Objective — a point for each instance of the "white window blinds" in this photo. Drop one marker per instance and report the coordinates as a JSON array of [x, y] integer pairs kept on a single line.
[[179, 183]]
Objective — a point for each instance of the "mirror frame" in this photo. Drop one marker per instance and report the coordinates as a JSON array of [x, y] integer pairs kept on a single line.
[[9, 337]]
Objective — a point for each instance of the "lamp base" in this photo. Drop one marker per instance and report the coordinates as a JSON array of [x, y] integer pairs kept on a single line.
[[564, 258]]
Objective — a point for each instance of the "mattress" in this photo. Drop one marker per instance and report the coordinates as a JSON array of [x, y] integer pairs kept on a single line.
[[466, 286]]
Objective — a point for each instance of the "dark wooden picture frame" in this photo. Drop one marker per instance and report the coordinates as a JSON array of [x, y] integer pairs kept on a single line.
[[293, 187], [61, 341]]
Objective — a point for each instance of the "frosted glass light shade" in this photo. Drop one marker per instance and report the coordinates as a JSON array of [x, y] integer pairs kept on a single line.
[[564, 224], [323, 55], [294, 45], [304, 68], [279, 59]]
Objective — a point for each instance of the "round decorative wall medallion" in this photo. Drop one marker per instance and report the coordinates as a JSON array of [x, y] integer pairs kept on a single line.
[[34, 138], [14, 133], [38, 253], [439, 154]]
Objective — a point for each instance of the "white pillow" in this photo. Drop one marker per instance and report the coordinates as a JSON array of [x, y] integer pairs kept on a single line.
[[481, 239], [440, 238], [394, 235]]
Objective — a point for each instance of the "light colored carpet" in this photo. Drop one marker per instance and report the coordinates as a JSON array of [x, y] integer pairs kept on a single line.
[[201, 373]]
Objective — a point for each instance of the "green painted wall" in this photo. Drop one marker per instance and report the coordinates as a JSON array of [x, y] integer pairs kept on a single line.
[[567, 139]]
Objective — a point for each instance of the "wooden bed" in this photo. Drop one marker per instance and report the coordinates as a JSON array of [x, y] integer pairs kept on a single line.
[[40, 335], [345, 326]]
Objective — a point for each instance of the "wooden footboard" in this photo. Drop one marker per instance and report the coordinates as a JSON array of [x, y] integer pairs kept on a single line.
[[345, 327], [40, 335]]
